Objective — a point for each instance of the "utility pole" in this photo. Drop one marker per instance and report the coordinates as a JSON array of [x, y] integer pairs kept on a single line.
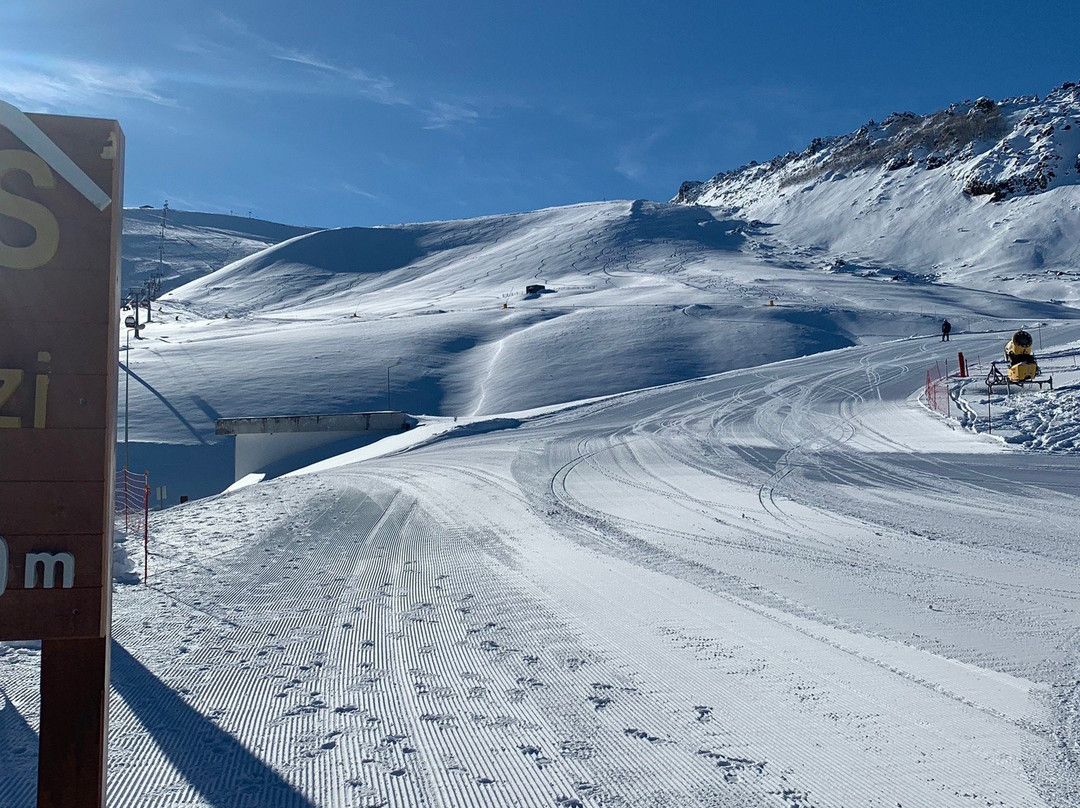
[[135, 298], [149, 302], [153, 285], [161, 243], [153, 289]]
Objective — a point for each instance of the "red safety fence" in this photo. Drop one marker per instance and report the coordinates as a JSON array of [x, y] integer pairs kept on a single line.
[[937, 391], [132, 508]]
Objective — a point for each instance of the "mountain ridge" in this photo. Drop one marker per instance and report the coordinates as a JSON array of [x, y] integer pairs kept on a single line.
[[983, 194], [1016, 146]]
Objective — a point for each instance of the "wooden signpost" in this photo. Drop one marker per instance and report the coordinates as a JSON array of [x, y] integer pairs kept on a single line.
[[61, 208]]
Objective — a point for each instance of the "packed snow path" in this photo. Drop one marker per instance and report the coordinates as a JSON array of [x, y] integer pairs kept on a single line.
[[787, 587]]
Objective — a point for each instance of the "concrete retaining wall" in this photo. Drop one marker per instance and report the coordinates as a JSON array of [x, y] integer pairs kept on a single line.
[[261, 442]]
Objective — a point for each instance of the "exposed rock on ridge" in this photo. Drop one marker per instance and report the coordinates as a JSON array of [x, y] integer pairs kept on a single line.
[[1019, 146]]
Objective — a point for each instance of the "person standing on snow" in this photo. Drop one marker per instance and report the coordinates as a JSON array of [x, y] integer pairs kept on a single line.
[[946, 327]]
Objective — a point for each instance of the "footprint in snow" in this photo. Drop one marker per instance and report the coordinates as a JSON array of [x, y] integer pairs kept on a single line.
[[534, 752], [732, 767], [641, 734], [599, 702], [576, 750]]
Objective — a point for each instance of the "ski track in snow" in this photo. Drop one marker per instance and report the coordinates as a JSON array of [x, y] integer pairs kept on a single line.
[[707, 594]]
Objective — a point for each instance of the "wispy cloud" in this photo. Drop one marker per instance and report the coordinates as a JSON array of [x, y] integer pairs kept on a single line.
[[443, 115], [334, 185], [348, 187], [51, 84], [630, 161], [337, 77], [355, 80], [221, 53], [374, 88]]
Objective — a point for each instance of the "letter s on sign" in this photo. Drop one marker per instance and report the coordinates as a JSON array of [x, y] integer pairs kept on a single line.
[[39, 217]]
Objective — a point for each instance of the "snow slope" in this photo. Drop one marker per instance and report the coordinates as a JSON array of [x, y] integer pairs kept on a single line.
[[193, 245], [788, 587], [982, 194], [638, 294]]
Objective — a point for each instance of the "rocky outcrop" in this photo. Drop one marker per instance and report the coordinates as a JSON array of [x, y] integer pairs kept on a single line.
[[1003, 149]]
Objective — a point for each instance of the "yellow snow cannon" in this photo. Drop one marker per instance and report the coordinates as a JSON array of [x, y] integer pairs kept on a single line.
[[1022, 367]]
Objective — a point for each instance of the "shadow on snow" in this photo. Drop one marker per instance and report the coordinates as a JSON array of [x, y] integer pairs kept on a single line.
[[18, 759], [216, 765]]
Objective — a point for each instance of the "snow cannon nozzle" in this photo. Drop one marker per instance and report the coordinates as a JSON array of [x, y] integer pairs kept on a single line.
[[1022, 339]]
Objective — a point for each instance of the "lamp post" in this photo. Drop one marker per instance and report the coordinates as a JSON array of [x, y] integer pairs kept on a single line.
[[388, 383]]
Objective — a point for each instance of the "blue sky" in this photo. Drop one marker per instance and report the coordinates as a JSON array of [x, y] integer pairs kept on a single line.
[[358, 113]]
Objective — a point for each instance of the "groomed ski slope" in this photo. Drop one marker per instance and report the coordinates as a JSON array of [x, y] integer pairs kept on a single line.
[[786, 587], [433, 319]]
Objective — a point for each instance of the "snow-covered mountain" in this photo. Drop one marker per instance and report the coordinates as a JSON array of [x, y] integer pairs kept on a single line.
[[182, 245], [984, 194], [433, 318]]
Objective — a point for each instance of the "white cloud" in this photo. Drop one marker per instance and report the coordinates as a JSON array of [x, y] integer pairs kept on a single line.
[[227, 56], [631, 157], [53, 85], [348, 187], [375, 88], [442, 115], [356, 81], [339, 77]]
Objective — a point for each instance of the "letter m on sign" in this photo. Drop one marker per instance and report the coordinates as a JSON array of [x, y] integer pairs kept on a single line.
[[48, 564]]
